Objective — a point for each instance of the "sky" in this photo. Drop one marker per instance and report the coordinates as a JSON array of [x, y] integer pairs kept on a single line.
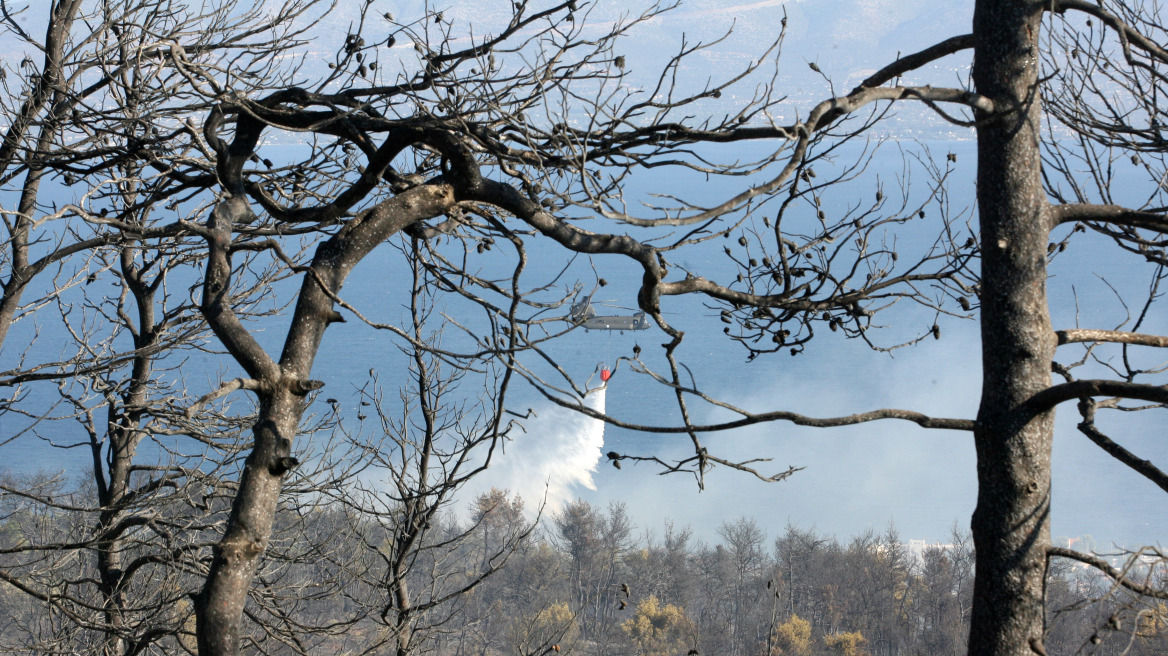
[[888, 473], [854, 479]]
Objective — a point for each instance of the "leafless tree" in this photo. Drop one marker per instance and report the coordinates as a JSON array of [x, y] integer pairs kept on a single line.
[[474, 149], [801, 270], [421, 564], [1104, 78], [106, 260], [458, 113]]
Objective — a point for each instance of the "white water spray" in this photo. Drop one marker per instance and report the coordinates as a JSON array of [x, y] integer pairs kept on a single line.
[[556, 454]]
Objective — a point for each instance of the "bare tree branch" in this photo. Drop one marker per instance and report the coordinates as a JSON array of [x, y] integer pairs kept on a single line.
[[1079, 335], [1120, 577], [1113, 214]]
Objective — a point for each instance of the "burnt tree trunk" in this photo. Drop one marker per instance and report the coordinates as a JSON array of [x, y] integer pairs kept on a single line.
[[1011, 525], [282, 386], [220, 604]]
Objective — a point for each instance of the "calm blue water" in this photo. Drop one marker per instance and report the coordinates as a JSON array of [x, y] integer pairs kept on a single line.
[[855, 478]]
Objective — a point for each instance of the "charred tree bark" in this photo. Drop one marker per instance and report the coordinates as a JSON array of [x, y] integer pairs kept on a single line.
[[1011, 525], [282, 385], [220, 605]]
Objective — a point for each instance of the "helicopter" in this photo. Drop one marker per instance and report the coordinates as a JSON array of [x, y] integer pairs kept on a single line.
[[583, 314]]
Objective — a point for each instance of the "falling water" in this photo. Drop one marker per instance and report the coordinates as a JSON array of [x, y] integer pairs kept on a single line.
[[555, 454]]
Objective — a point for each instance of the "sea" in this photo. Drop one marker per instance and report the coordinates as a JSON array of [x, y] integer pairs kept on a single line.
[[872, 476]]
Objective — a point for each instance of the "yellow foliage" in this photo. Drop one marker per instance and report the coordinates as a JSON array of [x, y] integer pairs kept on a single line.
[[184, 612], [792, 638], [1151, 622], [552, 625], [660, 629], [557, 614], [846, 644]]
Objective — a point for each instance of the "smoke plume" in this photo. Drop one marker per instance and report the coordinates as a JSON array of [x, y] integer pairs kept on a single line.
[[556, 453]]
